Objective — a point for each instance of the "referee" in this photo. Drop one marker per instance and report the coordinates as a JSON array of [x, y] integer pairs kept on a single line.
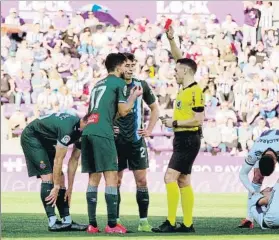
[[187, 119]]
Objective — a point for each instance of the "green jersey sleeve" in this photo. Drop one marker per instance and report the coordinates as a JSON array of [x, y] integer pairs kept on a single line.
[[148, 95], [121, 92]]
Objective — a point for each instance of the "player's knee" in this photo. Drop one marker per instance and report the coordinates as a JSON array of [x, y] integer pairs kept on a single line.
[[47, 177], [183, 182], [169, 177], [141, 182]]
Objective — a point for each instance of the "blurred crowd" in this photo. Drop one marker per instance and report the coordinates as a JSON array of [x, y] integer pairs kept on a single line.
[[53, 65]]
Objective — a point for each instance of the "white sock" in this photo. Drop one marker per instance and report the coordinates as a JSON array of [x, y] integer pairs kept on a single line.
[[257, 188], [143, 219], [67, 219], [52, 221]]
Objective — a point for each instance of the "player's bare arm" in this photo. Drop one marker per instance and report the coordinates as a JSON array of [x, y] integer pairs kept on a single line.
[[154, 115], [175, 51], [243, 175], [72, 168], [61, 152], [125, 108]]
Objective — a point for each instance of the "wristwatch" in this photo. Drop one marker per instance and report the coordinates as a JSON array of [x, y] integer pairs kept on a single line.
[[174, 124]]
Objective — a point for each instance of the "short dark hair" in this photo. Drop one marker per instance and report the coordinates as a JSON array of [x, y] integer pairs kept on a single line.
[[129, 56], [188, 62], [266, 165], [113, 60]]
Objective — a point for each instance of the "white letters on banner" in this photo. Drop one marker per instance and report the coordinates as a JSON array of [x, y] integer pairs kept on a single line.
[[29, 9], [182, 9]]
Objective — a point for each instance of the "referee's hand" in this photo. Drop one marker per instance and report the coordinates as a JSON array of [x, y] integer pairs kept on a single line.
[[167, 122], [144, 132]]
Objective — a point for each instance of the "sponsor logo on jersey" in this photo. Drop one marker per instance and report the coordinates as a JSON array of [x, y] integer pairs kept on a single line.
[[66, 139], [178, 104], [94, 118], [125, 91]]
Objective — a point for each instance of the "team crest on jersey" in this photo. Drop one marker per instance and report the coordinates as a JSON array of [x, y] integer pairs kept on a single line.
[[66, 139], [42, 165], [178, 104], [125, 91]]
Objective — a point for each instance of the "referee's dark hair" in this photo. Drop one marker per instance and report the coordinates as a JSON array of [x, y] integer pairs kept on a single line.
[[266, 165], [188, 62], [113, 60], [129, 56]]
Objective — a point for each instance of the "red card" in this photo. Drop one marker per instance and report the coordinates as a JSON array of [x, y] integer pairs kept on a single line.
[[168, 23], [94, 118]]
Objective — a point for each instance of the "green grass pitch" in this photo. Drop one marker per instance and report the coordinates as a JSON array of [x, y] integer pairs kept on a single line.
[[216, 217]]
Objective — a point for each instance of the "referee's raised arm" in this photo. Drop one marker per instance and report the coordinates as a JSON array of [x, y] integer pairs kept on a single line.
[[175, 51]]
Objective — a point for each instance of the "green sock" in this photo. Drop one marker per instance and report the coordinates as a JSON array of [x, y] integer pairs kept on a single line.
[[112, 200], [118, 202], [63, 206], [46, 187], [143, 201], [92, 196]]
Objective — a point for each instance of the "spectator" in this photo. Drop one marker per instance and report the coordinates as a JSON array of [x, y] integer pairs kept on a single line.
[[38, 82], [212, 137], [224, 113], [23, 88], [65, 99], [86, 42], [91, 20], [78, 22], [212, 26], [229, 27], [7, 87], [12, 19], [51, 39], [45, 99], [245, 136], [55, 80], [251, 21], [99, 38], [35, 35], [259, 129], [251, 69], [229, 136], [266, 17], [16, 122], [259, 53], [12, 65], [40, 54], [82, 77], [267, 104], [70, 43], [247, 105], [42, 20], [61, 21]]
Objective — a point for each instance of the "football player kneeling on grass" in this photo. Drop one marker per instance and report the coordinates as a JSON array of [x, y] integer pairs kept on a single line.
[[263, 158]]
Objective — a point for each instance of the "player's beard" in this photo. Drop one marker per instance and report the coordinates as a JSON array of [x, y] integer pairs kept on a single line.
[[122, 75]]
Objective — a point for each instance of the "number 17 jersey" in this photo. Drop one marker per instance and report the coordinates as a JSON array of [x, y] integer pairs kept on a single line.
[[103, 106]]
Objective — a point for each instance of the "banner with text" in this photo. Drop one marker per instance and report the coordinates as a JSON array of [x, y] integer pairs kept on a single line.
[[218, 174]]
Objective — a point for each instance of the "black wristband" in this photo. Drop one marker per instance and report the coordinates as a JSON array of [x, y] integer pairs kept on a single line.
[[174, 124]]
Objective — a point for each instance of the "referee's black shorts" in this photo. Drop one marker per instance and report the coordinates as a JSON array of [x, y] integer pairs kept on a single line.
[[186, 146]]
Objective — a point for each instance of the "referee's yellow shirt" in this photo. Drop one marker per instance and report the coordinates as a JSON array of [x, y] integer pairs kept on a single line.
[[187, 99]]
